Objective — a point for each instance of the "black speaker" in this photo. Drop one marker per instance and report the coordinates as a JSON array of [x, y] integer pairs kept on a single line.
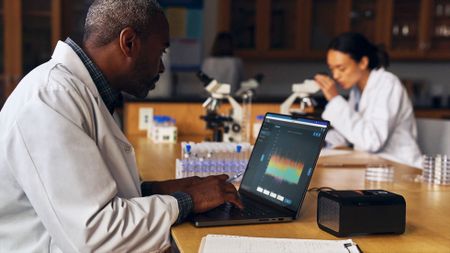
[[345, 213]]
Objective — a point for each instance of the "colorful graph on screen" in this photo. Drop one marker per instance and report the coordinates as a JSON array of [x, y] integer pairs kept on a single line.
[[284, 169]]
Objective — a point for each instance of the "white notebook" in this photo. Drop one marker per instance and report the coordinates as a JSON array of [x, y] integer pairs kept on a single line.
[[243, 244]]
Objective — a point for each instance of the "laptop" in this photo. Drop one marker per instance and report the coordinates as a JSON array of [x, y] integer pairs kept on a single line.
[[278, 173]]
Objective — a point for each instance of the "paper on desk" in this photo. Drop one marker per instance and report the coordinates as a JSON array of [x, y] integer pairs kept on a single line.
[[331, 152], [243, 244]]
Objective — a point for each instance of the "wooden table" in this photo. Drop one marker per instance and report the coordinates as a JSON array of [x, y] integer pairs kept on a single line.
[[427, 206]]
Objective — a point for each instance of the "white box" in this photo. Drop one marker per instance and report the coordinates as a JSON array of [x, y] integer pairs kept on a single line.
[[163, 134]]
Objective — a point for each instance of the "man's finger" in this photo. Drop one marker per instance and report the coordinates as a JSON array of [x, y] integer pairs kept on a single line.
[[231, 195], [229, 188], [221, 177], [234, 199]]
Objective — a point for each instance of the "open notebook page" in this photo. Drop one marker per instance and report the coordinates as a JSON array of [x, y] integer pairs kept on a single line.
[[238, 244]]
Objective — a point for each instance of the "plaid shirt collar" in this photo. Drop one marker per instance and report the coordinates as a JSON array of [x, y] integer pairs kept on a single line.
[[109, 96]]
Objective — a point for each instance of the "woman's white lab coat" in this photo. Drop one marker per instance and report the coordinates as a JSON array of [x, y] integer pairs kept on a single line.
[[69, 181], [381, 121]]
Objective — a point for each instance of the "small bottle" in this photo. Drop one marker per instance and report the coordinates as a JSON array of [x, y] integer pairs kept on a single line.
[[221, 160], [246, 117], [195, 166], [179, 168], [236, 168], [216, 156], [257, 125], [201, 169], [183, 149], [244, 157], [187, 161], [209, 161], [225, 160], [153, 132], [203, 161]]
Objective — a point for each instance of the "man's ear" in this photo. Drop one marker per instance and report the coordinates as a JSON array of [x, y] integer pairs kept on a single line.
[[128, 42]]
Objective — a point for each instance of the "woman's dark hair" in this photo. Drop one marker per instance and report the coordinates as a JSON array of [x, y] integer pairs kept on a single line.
[[357, 46], [223, 45]]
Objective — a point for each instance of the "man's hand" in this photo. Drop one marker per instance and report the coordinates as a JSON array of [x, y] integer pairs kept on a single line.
[[327, 85], [169, 186], [211, 192]]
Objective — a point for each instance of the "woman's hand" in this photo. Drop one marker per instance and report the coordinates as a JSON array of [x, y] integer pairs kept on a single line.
[[327, 85]]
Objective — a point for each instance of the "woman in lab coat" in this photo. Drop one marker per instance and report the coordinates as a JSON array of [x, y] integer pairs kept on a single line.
[[378, 116], [222, 65]]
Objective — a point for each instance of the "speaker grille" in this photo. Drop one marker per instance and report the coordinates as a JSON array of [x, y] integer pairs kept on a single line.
[[329, 213]]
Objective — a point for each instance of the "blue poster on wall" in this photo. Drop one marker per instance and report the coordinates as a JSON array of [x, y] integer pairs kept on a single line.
[[186, 33]]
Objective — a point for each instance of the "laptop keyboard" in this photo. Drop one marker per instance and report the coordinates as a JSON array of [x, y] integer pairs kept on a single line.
[[251, 209]]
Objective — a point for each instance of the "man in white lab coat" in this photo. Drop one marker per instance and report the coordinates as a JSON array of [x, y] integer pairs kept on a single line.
[[69, 181]]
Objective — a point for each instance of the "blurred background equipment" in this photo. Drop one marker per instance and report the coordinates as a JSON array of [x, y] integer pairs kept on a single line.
[[303, 92], [246, 93], [248, 87], [429, 142], [222, 64], [356, 212], [163, 129], [225, 127], [234, 126], [436, 169]]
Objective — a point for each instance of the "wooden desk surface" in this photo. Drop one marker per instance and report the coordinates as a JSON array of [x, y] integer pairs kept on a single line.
[[427, 206]]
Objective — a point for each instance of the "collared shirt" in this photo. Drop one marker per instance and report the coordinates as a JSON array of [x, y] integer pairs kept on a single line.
[[110, 97], [185, 205]]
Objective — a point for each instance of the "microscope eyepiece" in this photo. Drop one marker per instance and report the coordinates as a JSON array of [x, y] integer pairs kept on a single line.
[[204, 77], [259, 77]]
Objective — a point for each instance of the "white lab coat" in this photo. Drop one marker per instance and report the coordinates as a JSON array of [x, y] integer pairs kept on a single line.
[[384, 122], [69, 181]]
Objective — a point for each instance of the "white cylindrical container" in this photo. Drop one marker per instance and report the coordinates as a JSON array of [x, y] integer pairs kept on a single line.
[[257, 126]]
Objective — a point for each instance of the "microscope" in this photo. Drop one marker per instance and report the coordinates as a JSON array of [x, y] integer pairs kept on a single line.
[[303, 92], [225, 128], [248, 87]]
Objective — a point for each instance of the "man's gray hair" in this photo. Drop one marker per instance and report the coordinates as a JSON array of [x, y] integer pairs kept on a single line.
[[106, 18]]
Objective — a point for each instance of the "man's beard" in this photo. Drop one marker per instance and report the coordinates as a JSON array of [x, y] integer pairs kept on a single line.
[[147, 87]]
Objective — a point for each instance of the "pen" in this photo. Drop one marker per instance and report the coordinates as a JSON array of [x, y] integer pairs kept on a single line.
[[351, 165], [233, 178]]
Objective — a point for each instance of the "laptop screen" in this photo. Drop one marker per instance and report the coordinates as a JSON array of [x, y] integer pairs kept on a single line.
[[283, 159]]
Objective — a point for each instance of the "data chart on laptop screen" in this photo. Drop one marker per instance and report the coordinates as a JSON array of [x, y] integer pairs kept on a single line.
[[283, 158]]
